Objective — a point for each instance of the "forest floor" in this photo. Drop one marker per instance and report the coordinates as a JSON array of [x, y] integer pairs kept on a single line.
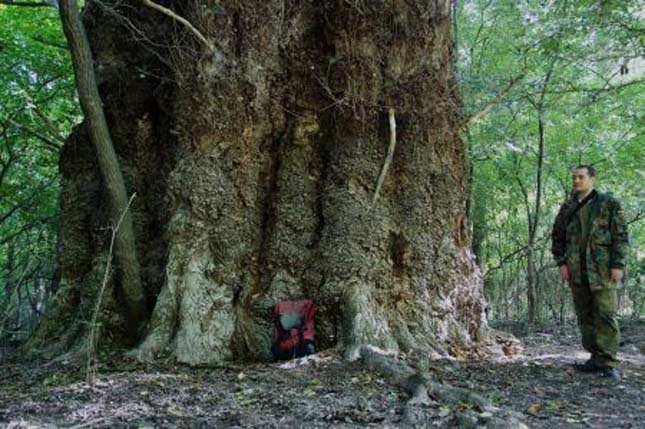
[[535, 384]]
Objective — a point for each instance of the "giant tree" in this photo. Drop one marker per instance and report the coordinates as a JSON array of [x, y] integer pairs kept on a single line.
[[281, 150]]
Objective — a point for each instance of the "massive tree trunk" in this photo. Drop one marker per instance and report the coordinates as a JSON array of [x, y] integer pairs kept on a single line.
[[257, 162]]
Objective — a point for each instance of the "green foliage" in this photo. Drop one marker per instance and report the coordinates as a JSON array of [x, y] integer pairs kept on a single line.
[[38, 107], [576, 66]]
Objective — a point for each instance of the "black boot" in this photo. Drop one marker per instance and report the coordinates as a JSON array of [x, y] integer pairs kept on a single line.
[[588, 366]]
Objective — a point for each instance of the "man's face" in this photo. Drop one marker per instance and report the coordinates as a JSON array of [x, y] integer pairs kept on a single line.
[[582, 182]]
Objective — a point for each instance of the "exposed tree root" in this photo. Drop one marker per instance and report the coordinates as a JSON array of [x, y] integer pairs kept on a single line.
[[470, 408], [399, 373]]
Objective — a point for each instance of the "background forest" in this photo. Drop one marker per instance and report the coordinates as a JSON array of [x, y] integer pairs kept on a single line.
[[546, 85]]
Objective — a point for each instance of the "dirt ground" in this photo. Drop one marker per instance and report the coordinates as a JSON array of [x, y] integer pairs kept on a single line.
[[535, 384]]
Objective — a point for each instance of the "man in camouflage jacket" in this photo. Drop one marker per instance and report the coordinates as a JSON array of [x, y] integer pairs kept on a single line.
[[589, 244]]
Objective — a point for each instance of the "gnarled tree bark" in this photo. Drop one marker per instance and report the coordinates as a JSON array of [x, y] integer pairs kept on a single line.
[[268, 158]]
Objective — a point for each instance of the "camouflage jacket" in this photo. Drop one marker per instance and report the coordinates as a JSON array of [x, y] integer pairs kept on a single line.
[[607, 244]]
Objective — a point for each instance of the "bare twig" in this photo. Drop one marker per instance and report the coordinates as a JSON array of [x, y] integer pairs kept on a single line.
[[136, 32], [91, 349], [184, 21], [390, 155]]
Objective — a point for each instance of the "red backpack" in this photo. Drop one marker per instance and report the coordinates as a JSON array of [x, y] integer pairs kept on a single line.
[[293, 329]]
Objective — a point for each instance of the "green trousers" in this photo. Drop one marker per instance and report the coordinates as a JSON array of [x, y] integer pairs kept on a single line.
[[598, 323]]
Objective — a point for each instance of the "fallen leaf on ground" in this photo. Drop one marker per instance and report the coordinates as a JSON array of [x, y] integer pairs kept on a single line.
[[535, 408]]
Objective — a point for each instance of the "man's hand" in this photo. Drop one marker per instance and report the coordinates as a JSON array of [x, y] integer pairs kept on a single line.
[[564, 272], [616, 275]]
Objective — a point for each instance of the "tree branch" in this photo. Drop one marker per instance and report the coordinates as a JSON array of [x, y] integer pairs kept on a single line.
[[10, 159], [41, 39], [49, 143], [607, 88], [520, 252], [27, 3], [25, 228], [640, 215], [498, 99], [10, 212], [27, 204], [49, 124], [184, 21]]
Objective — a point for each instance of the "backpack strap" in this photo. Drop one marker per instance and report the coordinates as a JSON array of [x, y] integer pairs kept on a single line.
[[581, 204]]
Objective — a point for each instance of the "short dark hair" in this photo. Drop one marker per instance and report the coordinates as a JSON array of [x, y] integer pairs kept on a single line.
[[590, 170]]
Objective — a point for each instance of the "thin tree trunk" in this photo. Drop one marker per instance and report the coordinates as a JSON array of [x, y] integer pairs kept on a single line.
[[534, 221], [533, 274], [91, 105], [530, 286], [530, 263], [18, 322], [476, 212]]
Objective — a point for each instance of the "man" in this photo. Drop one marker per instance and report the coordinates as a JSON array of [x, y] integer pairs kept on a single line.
[[589, 244]]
